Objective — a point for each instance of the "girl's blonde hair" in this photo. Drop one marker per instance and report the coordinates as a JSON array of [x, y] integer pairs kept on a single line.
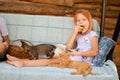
[[87, 14]]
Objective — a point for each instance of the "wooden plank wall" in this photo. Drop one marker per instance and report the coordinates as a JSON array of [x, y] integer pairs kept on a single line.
[[67, 8]]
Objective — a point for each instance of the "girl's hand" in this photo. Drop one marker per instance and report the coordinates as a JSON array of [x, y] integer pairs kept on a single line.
[[76, 29], [73, 52]]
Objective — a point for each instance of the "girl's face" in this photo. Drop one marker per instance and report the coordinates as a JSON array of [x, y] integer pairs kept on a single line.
[[82, 21]]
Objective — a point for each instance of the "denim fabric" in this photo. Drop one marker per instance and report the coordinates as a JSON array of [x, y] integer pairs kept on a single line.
[[105, 45]]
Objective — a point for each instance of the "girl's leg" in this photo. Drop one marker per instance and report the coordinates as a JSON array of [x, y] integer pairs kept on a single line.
[[15, 63], [30, 63], [12, 58]]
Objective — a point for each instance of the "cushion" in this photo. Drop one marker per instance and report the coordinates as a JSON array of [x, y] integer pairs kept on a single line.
[[105, 45], [96, 27]]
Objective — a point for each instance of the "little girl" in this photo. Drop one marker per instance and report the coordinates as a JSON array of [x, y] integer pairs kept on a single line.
[[84, 40]]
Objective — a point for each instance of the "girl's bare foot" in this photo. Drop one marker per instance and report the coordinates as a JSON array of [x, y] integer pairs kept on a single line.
[[11, 58], [18, 64]]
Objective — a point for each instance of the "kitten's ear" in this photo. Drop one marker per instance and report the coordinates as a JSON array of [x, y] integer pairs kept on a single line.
[[25, 45]]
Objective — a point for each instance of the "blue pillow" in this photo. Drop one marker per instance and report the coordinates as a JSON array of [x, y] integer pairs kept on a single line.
[[105, 45]]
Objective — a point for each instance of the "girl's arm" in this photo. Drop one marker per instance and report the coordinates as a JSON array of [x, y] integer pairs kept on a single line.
[[92, 52], [72, 41], [6, 40]]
